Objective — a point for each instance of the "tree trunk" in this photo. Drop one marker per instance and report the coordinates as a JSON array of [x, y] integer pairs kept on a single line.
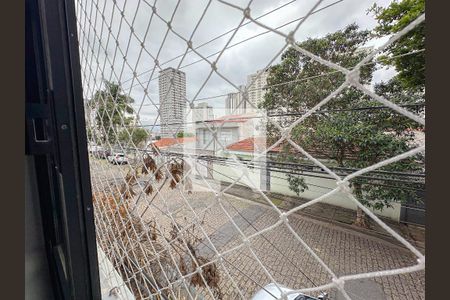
[[361, 219]]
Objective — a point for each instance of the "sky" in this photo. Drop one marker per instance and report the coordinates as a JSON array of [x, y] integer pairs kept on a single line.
[[141, 37]]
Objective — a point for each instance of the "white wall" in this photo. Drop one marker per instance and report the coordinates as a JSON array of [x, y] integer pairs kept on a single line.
[[230, 174], [319, 186], [316, 188]]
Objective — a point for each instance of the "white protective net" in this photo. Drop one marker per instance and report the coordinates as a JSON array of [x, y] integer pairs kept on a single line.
[[167, 227]]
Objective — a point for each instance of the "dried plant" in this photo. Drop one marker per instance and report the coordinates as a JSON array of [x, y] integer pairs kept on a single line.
[[159, 175], [209, 273], [126, 189], [155, 150], [133, 241], [176, 172], [137, 244], [154, 235], [148, 189], [149, 165]]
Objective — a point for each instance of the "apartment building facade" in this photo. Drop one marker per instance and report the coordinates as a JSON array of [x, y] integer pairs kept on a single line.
[[172, 99], [234, 103], [256, 84]]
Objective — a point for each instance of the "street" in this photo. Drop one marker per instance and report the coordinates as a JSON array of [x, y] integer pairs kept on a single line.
[[214, 223]]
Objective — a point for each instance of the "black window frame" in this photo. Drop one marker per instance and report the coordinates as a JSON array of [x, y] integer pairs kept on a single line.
[[56, 141]]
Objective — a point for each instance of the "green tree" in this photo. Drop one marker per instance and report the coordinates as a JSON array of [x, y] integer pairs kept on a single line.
[[182, 134], [133, 136], [358, 139], [392, 19], [303, 73], [341, 134], [111, 106], [89, 134]]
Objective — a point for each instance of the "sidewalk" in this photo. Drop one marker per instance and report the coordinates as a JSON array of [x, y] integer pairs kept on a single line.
[[333, 214]]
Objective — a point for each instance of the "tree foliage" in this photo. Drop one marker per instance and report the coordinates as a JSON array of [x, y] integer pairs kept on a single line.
[[112, 108], [305, 74], [392, 19], [298, 83], [133, 136], [182, 134], [344, 133]]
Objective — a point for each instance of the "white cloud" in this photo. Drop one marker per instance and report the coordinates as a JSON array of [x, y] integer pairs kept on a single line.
[[235, 64]]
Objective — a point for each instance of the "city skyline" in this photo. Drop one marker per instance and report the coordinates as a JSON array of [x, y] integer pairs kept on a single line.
[[236, 63]]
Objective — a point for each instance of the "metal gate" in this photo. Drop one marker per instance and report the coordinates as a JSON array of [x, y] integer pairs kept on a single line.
[[414, 210]]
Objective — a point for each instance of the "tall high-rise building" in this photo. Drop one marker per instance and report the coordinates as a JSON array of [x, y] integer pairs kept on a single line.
[[172, 100], [255, 95], [256, 88], [234, 104], [202, 112]]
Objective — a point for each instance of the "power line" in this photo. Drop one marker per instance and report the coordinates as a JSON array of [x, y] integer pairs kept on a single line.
[[294, 168], [232, 45], [213, 39], [301, 172], [294, 165], [278, 115], [297, 80]]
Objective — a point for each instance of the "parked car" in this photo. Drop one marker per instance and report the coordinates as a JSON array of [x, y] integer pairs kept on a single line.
[[93, 148], [118, 158], [271, 292], [103, 153], [99, 152]]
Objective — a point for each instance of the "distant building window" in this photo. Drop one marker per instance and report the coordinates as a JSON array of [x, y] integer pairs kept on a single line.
[[204, 137]]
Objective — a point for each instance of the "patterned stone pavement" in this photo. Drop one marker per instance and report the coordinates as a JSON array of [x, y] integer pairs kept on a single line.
[[343, 250]]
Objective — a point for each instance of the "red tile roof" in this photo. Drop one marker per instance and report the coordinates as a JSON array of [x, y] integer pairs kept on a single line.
[[248, 145], [232, 119], [166, 142]]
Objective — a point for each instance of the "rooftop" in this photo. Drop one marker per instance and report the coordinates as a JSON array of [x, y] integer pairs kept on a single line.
[[167, 142], [248, 145]]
